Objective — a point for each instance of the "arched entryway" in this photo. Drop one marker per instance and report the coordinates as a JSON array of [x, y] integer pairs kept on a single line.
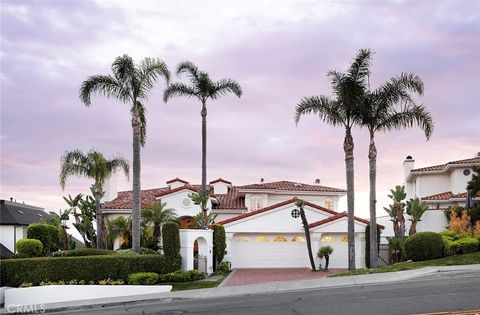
[[200, 252]]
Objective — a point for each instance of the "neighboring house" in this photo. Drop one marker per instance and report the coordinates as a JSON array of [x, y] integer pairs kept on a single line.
[[14, 219], [261, 220], [440, 186]]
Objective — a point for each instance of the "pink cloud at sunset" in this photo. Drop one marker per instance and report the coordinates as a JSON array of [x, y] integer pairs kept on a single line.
[[279, 51]]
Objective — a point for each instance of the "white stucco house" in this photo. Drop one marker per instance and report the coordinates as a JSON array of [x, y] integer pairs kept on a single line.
[[261, 221], [440, 186]]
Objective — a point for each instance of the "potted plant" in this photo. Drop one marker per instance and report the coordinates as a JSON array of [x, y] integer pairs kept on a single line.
[[325, 252]]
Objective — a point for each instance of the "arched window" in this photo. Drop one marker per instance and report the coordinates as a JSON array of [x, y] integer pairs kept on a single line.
[[298, 239], [262, 239], [280, 239], [327, 239], [344, 239], [242, 239]]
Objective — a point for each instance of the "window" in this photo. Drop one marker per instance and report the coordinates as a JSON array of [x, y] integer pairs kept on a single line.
[[186, 202], [298, 239], [295, 213], [242, 239], [344, 239], [280, 239], [262, 239], [327, 239], [328, 203]]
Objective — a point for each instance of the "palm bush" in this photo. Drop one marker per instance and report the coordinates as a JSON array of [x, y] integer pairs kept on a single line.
[[325, 252]]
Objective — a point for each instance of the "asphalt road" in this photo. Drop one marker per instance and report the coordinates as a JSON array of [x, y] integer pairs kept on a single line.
[[439, 292]]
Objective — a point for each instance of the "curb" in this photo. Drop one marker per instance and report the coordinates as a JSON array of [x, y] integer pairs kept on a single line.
[[227, 278]]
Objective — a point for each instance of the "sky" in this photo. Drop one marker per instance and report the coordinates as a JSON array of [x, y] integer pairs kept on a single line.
[[278, 51]]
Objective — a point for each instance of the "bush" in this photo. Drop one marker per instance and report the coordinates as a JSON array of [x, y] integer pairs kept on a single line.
[[224, 267], [467, 245], [171, 239], [182, 276], [424, 246], [82, 252], [449, 233], [143, 278], [87, 268], [219, 243], [47, 234], [451, 247], [29, 247], [143, 251]]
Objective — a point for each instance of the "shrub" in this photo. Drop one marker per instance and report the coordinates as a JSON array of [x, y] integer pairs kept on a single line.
[[195, 275], [143, 251], [143, 278], [30, 247], [82, 252], [171, 239], [47, 234], [367, 243], [224, 267], [467, 245], [219, 242], [451, 247], [87, 268], [182, 276], [449, 233], [424, 246]]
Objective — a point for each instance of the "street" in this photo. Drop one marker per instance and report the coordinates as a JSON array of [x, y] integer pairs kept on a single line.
[[435, 293]]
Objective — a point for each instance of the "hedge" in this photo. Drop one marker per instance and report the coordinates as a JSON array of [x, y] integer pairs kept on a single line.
[[424, 246], [219, 243], [467, 245], [82, 252], [171, 239], [47, 234], [30, 247], [88, 268], [367, 243]]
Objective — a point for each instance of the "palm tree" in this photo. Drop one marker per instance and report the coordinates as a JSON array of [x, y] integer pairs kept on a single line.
[[415, 209], [130, 84], [157, 214], [325, 252], [120, 228], [387, 108], [203, 89], [301, 204], [92, 165], [343, 110]]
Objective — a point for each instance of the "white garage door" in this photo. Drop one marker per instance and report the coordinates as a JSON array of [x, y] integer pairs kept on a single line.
[[269, 251], [339, 243]]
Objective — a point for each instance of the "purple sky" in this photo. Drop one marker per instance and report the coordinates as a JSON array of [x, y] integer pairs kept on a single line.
[[279, 51]]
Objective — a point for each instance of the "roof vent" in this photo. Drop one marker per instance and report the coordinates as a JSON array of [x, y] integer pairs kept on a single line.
[[297, 185], [409, 157], [317, 181], [262, 180]]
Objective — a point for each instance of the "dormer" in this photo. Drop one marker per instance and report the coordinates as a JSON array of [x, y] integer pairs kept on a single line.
[[220, 186], [176, 182]]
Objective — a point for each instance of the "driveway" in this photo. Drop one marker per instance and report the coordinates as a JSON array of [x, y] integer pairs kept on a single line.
[[261, 275]]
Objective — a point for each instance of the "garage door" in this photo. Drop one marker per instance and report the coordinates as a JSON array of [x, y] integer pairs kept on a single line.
[[339, 243], [269, 251]]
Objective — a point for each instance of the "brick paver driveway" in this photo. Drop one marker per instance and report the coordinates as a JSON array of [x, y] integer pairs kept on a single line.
[[261, 275]]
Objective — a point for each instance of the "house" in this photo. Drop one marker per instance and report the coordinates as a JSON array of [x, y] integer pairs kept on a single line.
[[14, 219], [440, 186], [261, 220]]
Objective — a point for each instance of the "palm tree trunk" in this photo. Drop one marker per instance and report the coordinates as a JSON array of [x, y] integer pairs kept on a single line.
[[348, 149], [413, 227], [204, 158], [327, 260], [372, 157], [98, 217], [307, 237], [136, 181], [401, 221]]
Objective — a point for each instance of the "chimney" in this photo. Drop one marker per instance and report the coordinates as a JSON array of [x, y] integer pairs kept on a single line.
[[317, 181], [408, 166], [110, 188], [262, 180]]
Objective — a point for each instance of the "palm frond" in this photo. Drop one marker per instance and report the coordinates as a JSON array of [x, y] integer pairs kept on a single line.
[[179, 89], [190, 68], [329, 111], [224, 87], [105, 85], [148, 72], [409, 116], [73, 163], [119, 163], [123, 68], [360, 67]]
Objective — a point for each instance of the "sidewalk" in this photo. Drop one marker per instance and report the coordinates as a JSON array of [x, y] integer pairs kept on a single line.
[[274, 287]]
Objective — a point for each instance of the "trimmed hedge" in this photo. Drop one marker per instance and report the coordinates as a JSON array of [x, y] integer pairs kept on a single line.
[[467, 245], [30, 247], [424, 246], [219, 243], [88, 268], [171, 239], [82, 252], [143, 278], [182, 276], [47, 234]]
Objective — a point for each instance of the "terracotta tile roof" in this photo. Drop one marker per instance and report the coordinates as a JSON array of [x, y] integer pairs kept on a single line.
[[448, 195], [289, 186], [339, 216], [231, 200], [277, 205], [220, 180], [475, 160], [176, 179]]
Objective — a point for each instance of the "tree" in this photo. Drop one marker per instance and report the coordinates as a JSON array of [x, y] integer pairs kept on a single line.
[[387, 108], [59, 221], [396, 210], [202, 88], [474, 184], [199, 220], [301, 204], [95, 166], [157, 214], [201, 199], [84, 220], [325, 251], [120, 228], [415, 209], [130, 84], [349, 89]]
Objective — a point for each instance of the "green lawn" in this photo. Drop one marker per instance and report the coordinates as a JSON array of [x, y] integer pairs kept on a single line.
[[466, 259], [200, 284]]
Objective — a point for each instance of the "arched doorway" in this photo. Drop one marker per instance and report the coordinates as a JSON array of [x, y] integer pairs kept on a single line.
[[200, 252]]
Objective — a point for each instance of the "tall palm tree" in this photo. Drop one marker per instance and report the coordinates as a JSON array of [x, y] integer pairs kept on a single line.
[[94, 166], [343, 110], [387, 108], [202, 88], [130, 84], [157, 214]]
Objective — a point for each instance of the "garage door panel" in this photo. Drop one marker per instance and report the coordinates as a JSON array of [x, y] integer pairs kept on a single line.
[[270, 255]]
